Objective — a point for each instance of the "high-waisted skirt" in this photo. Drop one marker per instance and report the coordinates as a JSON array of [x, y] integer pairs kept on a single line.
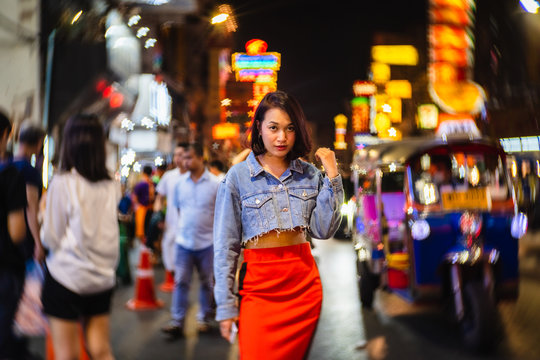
[[281, 296]]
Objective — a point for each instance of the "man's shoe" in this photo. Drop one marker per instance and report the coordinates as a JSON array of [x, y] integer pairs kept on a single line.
[[173, 331], [203, 327]]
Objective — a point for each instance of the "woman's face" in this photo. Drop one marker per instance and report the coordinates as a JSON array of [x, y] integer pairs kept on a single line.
[[277, 132]]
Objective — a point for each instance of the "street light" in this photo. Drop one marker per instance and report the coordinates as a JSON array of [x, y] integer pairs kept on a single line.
[[218, 19], [530, 6]]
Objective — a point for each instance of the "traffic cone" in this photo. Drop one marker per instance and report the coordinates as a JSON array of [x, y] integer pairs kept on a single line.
[[168, 284], [145, 297], [49, 348]]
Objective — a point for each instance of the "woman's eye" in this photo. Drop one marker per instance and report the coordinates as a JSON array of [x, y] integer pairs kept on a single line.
[[291, 129]]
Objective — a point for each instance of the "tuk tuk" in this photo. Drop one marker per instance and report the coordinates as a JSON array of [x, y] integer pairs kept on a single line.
[[436, 219]]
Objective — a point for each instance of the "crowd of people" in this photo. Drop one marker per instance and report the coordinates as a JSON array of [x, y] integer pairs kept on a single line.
[[193, 214]]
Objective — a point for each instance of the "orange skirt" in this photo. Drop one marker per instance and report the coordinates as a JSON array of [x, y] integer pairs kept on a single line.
[[281, 297]]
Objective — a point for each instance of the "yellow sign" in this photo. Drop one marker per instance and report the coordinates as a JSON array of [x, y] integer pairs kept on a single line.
[[395, 54], [340, 122], [380, 72], [460, 97], [382, 123], [395, 113], [225, 131], [399, 88], [470, 199], [428, 116]]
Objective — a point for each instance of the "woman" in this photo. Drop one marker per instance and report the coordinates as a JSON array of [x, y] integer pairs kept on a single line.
[[80, 229], [266, 204]]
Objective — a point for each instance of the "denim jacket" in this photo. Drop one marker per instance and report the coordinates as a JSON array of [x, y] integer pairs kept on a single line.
[[251, 202]]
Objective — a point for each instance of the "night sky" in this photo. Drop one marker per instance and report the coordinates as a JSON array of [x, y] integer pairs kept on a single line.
[[324, 48]]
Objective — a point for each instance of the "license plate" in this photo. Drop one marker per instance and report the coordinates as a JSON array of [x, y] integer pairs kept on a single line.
[[470, 199]]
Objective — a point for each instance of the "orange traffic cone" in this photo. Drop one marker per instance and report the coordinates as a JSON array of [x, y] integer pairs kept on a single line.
[[49, 348], [145, 298], [168, 284]]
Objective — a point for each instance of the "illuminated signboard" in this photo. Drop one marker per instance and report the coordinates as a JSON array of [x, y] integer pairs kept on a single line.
[[450, 15], [380, 72], [457, 57], [451, 45], [395, 109], [364, 88], [395, 54], [258, 67], [450, 124], [382, 123], [446, 36], [160, 103], [340, 122], [252, 75], [360, 114], [264, 61], [520, 144], [399, 88], [428, 116], [225, 131]]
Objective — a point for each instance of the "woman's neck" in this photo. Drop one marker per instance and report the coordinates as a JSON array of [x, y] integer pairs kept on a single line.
[[274, 165]]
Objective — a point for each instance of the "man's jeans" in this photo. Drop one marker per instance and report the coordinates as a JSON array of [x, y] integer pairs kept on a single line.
[[185, 260], [11, 287]]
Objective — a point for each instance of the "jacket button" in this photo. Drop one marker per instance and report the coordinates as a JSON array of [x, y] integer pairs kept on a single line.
[[280, 186], [285, 210], [304, 193], [257, 201]]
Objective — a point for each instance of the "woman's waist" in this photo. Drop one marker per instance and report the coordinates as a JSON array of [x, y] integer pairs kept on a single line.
[[277, 238]]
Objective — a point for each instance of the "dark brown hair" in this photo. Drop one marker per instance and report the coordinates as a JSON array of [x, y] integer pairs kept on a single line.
[[31, 134], [281, 100], [83, 147]]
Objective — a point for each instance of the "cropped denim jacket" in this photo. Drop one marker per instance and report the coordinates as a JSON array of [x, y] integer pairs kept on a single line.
[[251, 202]]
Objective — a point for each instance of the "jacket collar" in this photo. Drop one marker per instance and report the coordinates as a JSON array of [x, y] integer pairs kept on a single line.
[[255, 168]]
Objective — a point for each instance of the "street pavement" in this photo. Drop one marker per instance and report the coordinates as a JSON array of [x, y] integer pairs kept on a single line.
[[393, 330], [136, 334]]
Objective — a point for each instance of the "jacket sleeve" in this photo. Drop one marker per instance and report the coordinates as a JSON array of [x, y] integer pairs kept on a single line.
[[54, 224], [227, 240], [326, 216]]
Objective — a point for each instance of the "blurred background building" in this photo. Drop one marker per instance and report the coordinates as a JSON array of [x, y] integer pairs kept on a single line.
[[161, 71]]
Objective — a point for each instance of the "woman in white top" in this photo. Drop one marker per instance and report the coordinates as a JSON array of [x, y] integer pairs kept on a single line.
[[80, 230]]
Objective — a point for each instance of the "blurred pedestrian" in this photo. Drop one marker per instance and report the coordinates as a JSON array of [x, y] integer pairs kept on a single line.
[[12, 233], [217, 168], [143, 201], [80, 229], [30, 144], [164, 199], [195, 198], [159, 172], [266, 205]]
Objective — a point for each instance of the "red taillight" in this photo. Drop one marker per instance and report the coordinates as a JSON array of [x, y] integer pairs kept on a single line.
[[471, 225]]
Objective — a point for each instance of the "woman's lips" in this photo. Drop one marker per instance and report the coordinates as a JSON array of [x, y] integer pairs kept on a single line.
[[281, 147]]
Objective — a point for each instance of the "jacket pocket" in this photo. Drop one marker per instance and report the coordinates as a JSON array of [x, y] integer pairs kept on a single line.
[[303, 201], [257, 210]]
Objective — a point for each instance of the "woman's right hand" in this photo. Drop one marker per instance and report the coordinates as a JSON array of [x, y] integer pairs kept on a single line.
[[225, 327]]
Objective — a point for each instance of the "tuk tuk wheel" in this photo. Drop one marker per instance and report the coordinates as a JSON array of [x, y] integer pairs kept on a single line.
[[367, 283], [479, 325]]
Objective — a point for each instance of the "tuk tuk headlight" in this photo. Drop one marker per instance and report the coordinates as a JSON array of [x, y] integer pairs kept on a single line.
[[519, 225], [420, 229]]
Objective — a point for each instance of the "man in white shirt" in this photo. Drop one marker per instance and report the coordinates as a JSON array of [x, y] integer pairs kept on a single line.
[[164, 194], [195, 196]]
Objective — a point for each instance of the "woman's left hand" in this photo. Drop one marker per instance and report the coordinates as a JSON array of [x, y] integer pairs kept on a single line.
[[328, 159]]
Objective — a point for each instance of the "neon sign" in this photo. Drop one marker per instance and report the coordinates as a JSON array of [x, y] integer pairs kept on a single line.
[[258, 67], [262, 61], [251, 75]]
